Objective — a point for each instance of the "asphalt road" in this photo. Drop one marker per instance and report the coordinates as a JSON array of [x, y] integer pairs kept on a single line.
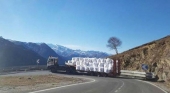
[[101, 85], [108, 85]]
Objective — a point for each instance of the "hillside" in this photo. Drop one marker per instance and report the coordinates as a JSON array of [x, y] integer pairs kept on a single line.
[[14, 55], [69, 53], [42, 49], [155, 54]]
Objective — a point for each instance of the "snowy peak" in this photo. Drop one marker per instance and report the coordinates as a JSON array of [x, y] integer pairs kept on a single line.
[[69, 53], [42, 49]]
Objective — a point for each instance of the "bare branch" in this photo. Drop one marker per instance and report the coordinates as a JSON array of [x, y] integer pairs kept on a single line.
[[113, 43]]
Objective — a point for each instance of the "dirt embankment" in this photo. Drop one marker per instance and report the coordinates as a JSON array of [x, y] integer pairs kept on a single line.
[[155, 54], [20, 84]]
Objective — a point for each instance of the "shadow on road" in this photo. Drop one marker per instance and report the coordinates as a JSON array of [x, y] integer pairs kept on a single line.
[[86, 74]]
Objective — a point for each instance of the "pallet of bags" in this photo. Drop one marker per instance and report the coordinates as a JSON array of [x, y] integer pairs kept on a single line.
[[77, 65], [101, 63], [108, 66]]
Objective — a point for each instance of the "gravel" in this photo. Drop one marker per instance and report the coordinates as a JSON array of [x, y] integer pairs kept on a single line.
[[23, 84]]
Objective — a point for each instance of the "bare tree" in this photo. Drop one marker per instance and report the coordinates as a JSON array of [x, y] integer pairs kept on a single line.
[[113, 43]]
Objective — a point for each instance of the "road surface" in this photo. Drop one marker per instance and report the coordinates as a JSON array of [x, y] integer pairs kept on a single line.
[[101, 85]]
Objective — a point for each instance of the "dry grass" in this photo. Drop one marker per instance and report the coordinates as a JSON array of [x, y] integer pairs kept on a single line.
[[16, 81], [34, 80], [24, 84]]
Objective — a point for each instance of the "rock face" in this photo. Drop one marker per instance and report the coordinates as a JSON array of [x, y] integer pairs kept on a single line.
[[155, 54]]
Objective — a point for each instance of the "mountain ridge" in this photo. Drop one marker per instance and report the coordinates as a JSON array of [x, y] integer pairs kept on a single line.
[[62, 52], [42, 49], [14, 55], [68, 53]]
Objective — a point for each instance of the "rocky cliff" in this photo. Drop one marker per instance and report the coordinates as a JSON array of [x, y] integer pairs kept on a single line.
[[155, 54]]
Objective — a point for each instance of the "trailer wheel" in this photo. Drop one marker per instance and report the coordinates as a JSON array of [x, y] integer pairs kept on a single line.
[[91, 73], [53, 70], [68, 71], [98, 75], [105, 75], [73, 70]]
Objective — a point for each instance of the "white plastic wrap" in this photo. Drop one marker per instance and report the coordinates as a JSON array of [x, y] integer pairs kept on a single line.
[[82, 68], [91, 68], [75, 58], [95, 68], [101, 69], [86, 68], [74, 62], [93, 60], [101, 66], [93, 64], [69, 61], [110, 67], [81, 63], [77, 63], [106, 68], [80, 59], [77, 67], [98, 60]]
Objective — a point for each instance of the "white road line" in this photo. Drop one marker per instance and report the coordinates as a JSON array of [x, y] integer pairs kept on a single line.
[[93, 80], [116, 91], [153, 85], [120, 86]]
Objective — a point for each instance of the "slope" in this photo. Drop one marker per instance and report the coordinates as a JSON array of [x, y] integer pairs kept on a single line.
[[14, 55], [155, 54], [42, 49]]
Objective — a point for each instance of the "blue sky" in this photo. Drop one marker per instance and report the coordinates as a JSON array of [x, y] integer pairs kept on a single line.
[[85, 24]]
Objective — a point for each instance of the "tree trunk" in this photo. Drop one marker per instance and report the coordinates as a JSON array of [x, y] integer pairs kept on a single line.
[[116, 50]]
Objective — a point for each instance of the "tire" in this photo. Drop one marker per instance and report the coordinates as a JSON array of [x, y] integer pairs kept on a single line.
[[105, 75], [68, 71], [53, 70], [91, 73], [98, 74]]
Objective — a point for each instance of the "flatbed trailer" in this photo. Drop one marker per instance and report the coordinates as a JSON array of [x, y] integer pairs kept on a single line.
[[70, 68]]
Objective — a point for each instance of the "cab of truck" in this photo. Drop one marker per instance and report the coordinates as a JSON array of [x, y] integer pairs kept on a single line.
[[51, 62]]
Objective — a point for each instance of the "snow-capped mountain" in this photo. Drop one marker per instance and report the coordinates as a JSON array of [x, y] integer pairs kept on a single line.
[[16, 55], [69, 53], [62, 52], [41, 48]]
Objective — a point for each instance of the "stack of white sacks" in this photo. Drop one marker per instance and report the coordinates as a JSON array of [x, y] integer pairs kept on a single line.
[[93, 64]]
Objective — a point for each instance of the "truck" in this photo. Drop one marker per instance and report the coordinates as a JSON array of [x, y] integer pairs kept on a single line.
[[91, 66]]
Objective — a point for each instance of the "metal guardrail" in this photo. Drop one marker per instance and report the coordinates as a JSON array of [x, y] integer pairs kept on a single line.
[[133, 73], [22, 68]]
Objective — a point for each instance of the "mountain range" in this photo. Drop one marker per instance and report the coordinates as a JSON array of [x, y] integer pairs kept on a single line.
[[69, 53], [42, 49], [17, 53]]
